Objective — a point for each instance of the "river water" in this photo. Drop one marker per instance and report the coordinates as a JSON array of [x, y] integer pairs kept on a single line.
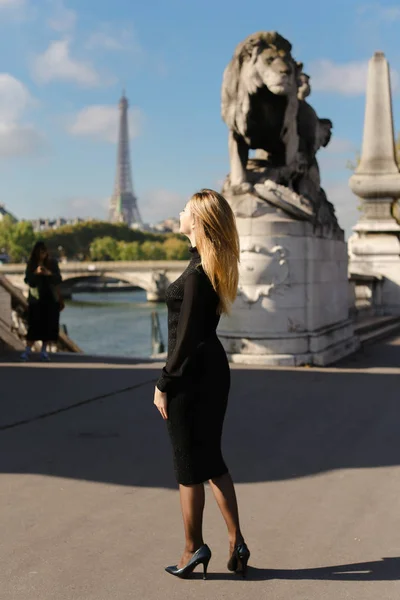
[[115, 324]]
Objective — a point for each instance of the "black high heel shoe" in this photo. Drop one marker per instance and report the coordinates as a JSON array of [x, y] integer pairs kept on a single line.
[[201, 556], [239, 559]]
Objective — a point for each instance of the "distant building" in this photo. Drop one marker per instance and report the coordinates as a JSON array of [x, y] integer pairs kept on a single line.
[[46, 224], [4, 213], [168, 226]]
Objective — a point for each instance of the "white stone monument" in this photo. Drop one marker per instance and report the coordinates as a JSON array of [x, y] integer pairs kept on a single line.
[[293, 305], [374, 248]]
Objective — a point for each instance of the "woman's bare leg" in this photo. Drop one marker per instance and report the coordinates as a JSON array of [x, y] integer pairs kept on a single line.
[[192, 505], [224, 493]]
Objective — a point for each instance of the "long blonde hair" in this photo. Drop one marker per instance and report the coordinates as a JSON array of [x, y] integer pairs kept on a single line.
[[217, 241]]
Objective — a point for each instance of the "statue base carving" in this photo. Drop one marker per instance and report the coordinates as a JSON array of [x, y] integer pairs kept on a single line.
[[276, 186], [293, 306]]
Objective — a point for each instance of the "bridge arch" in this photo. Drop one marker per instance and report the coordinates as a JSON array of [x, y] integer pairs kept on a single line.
[[152, 276], [75, 284], [151, 282]]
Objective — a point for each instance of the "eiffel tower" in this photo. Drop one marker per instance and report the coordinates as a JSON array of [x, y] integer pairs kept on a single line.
[[123, 202]]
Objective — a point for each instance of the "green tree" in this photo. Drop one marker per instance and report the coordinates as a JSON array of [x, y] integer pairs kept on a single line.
[[176, 249], [129, 251], [17, 239], [105, 248], [76, 239], [153, 251], [6, 225], [22, 241]]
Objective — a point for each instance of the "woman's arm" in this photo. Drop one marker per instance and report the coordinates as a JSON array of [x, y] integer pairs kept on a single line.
[[55, 276], [191, 330], [31, 277]]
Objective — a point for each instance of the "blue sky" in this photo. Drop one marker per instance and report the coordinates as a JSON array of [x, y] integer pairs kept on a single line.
[[65, 62]]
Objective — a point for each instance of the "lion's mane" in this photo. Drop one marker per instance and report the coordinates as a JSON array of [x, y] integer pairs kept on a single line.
[[239, 82]]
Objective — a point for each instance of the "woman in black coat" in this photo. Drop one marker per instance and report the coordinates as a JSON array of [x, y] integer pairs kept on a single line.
[[192, 391], [43, 277]]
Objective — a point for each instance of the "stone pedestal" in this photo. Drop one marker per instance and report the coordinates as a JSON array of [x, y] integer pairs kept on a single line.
[[374, 248], [293, 304]]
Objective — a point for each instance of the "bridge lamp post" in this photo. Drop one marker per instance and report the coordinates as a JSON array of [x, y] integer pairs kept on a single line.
[[61, 254]]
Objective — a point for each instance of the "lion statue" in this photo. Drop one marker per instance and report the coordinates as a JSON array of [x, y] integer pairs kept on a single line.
[[259, 103], [263, 103]]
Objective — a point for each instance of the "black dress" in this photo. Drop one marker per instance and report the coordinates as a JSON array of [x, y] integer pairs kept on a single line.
[[196, 377]]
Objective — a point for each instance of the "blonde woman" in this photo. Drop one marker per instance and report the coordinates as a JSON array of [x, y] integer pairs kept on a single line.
[[192, 391]]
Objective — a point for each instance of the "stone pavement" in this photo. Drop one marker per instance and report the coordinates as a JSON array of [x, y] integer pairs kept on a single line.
[[89, 508]]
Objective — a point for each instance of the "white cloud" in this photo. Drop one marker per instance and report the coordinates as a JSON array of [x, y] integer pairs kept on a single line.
[[16, 138], [11, 3], [103, 40], [379, 12], [100, 122], [20, 140], [159, 204], [13, 10], [56, 64], [62, 19], [83, 207], [14, 98], [348, 79], [111, 39], [390, 13]]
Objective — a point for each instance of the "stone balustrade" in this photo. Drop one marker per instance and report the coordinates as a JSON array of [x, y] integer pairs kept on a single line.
[[365, 295]]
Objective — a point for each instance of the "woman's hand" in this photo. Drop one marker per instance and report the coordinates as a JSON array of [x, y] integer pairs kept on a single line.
[[42, 271], [160, 400]]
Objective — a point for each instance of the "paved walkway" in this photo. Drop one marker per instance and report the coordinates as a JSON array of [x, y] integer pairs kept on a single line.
[[88, 503]]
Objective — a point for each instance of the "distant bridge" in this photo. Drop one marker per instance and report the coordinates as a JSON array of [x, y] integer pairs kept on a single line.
[[153, 276]]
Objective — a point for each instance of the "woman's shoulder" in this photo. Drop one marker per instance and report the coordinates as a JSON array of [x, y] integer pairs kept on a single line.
[[198, 280]]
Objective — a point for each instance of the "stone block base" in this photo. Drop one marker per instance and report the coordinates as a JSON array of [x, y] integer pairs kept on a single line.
[[320, 348], [292, 306]]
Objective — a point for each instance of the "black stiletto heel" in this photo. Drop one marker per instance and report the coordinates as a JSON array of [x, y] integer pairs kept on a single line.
[[239, 559], [201, 556], [205, 567]]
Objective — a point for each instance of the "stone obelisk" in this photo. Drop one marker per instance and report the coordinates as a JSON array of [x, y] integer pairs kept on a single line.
[[374, 248]]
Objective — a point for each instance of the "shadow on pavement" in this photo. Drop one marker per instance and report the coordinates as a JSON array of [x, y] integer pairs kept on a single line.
[[70, 358], [367, 356], [279, 425], [387, 569]]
